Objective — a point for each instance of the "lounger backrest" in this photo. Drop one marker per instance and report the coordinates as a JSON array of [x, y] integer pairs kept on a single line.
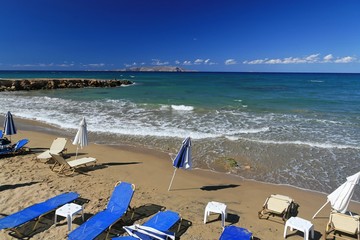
[[58, 145], [163, 220], [278, 203], [345, 223], [1, 134], [21, 143], [60, 160], [121, 198]]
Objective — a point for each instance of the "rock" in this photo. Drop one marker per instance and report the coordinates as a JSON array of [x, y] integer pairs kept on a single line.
[[37, 84]]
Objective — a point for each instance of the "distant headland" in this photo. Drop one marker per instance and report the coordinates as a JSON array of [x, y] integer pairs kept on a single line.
[[155, 69]]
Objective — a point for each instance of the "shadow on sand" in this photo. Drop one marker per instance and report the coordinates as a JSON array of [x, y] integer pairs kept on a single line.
[[13, 186]]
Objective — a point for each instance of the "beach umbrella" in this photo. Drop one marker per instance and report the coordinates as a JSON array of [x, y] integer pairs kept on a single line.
[[341, 197], [9, 125], [81, 138], [183, 158]]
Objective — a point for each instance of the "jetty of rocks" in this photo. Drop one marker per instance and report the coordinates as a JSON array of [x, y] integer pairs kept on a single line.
[[44, 84]]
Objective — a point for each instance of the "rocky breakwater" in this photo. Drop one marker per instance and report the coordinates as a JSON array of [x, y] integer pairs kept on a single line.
[[43, 84]]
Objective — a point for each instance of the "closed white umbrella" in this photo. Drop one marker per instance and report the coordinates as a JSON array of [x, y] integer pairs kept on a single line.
[[81, 138], [341, 197]]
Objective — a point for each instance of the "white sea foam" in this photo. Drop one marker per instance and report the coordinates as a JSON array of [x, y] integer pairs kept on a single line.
[[311, 144], [182, 108]]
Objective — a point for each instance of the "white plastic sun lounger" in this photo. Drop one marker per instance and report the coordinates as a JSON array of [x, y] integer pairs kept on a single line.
[[277, 205], [57, 147], [343, 223]]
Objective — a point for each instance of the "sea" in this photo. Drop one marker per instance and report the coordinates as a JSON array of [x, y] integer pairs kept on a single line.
[[298, 129]]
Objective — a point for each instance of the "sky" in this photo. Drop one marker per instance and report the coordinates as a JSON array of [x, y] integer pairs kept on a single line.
[[211, 35]]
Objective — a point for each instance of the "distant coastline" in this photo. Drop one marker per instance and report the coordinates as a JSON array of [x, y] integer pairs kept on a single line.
[[155, 69]]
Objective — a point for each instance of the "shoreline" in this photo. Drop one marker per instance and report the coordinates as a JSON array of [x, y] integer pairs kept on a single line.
[[150, 170], [51, 129]]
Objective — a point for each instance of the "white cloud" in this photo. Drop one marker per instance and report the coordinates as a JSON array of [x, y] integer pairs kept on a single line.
[[347, 59], [95, 65], [328, 58], [313, 58], [66, 65], [207, 61], [198, 61], [131, 65], [43, 65], [177, 62], [273, 61], [230, 62], [157, 62], [258, 61], [187, 62]]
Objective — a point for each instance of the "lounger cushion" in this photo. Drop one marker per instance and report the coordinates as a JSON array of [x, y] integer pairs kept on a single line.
[[36, 210], [81, 161], [345, 223], [94, 226], [118, 204], [278, 203], [161, 221], [233, 232]]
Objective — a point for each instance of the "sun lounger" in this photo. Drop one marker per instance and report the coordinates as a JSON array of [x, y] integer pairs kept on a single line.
[[63, 167], [278, 205], [57, 147], [1, 134], [35, 211], [117, 207], [14, 149], [343, 223], [158, 225], [234, 232]]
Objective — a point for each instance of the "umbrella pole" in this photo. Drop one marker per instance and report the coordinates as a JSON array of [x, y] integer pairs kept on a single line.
[[320, 209], [172, 179], [77, 150]]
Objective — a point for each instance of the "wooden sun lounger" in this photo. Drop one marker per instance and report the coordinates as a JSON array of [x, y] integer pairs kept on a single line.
[[64, 167]]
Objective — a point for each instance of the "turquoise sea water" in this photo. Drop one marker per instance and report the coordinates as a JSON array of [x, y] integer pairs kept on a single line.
[[296, 129]]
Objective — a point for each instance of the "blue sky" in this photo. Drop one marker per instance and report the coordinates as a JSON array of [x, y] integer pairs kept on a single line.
[[211, 35]]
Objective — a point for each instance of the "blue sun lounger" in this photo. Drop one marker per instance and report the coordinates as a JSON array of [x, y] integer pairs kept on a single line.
[[162, 221], [234, 232], [117, 207], [1, 134], [15, 148], [36, 211]]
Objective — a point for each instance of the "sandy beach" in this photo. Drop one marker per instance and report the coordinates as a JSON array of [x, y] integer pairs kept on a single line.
[[25, 181]]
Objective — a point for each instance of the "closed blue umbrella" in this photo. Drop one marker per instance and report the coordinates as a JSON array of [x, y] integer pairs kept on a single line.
[[9, 125], [183, 158]]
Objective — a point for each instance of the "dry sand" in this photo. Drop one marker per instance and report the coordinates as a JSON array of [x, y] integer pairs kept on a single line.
[[23, 182]]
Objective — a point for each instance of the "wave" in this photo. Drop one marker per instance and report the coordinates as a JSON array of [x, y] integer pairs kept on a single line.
[[120, 116], [310, 144], [182, 108], [316, 81]]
